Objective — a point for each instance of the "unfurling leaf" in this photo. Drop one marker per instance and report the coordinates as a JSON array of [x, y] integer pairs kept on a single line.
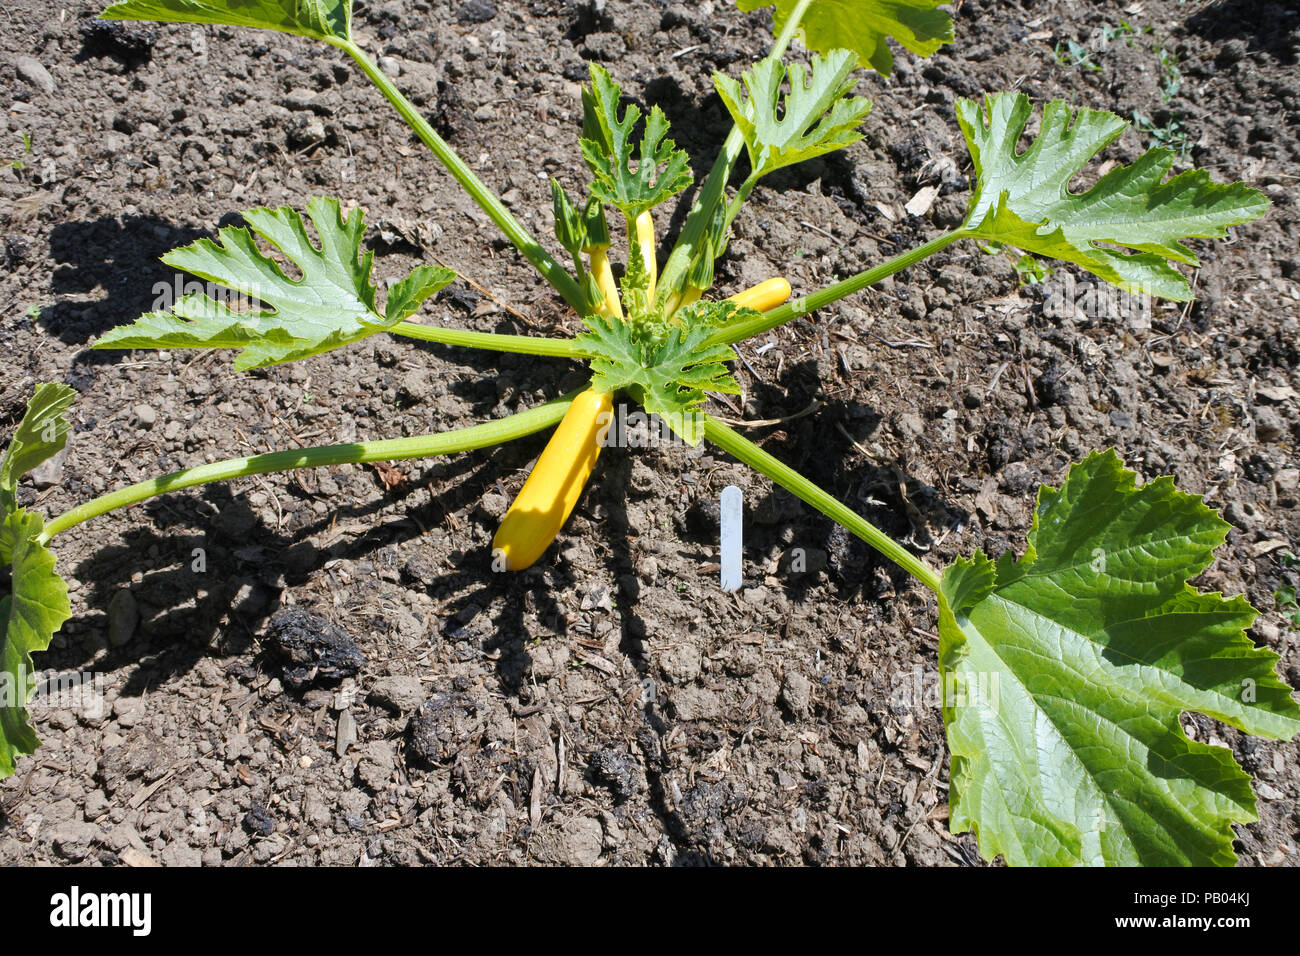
[[669, 373], [817, 116], [40, 435], [1023, 199], [407, 295], [607, 147], [319, 19], [35, 608], [1065, 674], [862, 26], [333, 304]]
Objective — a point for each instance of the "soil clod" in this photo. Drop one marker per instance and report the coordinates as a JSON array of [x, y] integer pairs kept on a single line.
[[313, 650]]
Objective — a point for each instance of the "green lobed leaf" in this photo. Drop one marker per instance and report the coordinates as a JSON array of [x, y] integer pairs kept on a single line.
[[407, 295], [333, 304], [816, 116], [595, 121], [35, 608], [1068, 670], [40, 435], [1023, 199], [319, 19], [713, 315], [668, 373], [607, 147], [863, 25]]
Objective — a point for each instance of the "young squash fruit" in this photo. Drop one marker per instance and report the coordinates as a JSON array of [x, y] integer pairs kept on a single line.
[[645, 240], [555, 484], [763, 297]]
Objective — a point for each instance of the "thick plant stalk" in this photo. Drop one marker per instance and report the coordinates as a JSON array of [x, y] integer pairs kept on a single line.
[[555, 483], [420, 446]]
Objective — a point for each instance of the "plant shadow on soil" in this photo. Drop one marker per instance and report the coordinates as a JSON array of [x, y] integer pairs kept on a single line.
[[825, 454], [188, 632], [826, 447], [194, 629], [121, 257], [632, 634], [1267, 26]]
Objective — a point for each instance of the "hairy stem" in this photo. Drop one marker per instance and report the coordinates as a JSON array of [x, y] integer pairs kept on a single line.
[[802, 306], [785, 476], [520, 344], [552, 271], [393, 449], [715, 185]]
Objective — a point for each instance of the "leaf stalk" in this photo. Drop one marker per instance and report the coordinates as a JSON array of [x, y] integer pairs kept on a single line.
[[805, 305], [394, 449], [529, 247], [518, 344]]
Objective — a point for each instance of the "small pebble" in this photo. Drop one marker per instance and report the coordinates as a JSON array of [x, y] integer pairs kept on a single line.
[[146, 415], [123, 616], [31, 70]]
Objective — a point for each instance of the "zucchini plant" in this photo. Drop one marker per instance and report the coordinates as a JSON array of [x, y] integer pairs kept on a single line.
[[1096, 639]]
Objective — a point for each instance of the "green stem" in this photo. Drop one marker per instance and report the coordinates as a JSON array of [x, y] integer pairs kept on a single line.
[[744, 450], [393, 449], [552, 271], [522, 344], [737, 201], [788, 31], [715, 185], [710, 194], [818, 300]]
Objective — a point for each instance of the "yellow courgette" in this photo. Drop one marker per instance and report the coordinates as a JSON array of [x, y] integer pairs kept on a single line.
[[764, 296], [681, 301], [645, 240], [555, 484], [604, 275]]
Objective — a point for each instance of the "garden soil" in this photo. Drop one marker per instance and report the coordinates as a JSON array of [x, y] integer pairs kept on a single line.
[[322, 668]]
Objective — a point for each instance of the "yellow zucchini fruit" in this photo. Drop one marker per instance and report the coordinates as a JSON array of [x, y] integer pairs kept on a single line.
[[645, 240], [763, 297], [555, 484], [689, 297], [604, 275]]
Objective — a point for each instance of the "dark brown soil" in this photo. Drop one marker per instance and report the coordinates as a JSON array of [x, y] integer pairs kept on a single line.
[[611, 705]]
